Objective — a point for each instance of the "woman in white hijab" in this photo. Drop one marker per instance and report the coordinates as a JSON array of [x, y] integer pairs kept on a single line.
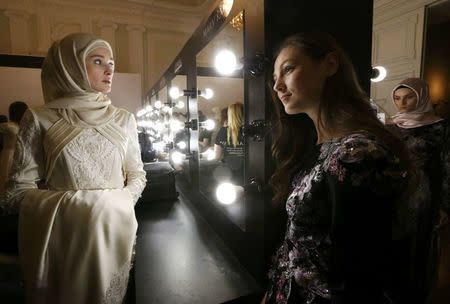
[[427, 139], [76, 236]]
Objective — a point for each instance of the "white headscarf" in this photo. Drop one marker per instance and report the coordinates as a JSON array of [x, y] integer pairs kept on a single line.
[[423, 113], [65, 83]]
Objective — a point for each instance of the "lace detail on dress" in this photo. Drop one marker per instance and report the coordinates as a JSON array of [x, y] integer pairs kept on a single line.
[[118, 286], [90, 156], [28, 154]]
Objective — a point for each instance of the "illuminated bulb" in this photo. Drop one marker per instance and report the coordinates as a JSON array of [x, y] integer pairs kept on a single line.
[[207, 93], [209, 124], [177, 157], [210, 155], [180, 104], [381, 74], [226, 193], [174, 92], [159, 146], [148, 108], [158, 104], [181, 145], [225, 62], [225, 7], [176, 125], [166, 109], [159, 126]]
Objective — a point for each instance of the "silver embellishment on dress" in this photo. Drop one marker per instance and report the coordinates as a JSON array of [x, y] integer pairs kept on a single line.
[[91, 156]]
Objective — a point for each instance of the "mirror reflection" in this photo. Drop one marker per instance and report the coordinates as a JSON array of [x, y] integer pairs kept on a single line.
[[179, 133], [221, 117]]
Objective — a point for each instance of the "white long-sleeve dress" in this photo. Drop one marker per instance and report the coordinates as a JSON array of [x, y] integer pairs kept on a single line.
[[76, 236]]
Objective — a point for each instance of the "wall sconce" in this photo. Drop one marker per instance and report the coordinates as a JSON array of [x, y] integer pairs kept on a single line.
[[226, 63], [192, 124], [206, 93]]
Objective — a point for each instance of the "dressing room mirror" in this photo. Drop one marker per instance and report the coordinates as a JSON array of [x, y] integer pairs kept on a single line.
[[180, 134], [221, 117]]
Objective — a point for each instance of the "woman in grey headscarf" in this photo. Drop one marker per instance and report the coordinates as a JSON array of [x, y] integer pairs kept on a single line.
[[427, 138], [76, 236]]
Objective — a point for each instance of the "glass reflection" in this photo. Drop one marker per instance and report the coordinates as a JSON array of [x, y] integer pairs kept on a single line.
[[179, 133], [221, 117]]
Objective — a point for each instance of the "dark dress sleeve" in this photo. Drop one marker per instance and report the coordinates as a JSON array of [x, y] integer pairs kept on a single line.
[[365, 179], [221, 137], [445, 205]]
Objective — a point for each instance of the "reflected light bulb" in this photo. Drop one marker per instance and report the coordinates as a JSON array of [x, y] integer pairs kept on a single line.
[[177, 157], [225, 7], [210, 124], [181, 145], [209, 93], [174, 92], [226, 193], [210, 155], [159, 146], [225, 62]]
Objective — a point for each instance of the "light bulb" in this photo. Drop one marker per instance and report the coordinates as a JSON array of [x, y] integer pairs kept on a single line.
[[181, 145], [225, 7], [226, 193], [158, 104], [176, 125], [207, 93], [177, 157], [209, 124], [159, 146], [209, 154], [148, 108], [225, 62], [174, 92], [381, 74]]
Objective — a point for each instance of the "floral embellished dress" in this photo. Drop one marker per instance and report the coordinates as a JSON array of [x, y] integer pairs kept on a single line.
[[339, 225]]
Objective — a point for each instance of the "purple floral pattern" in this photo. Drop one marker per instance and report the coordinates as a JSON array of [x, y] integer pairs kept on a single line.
[[302, 262]]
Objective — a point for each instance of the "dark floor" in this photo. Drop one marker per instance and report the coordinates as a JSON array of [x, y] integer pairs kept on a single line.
[[179, 259]]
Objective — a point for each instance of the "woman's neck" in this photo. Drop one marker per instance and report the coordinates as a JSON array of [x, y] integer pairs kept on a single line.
[[324, 134]]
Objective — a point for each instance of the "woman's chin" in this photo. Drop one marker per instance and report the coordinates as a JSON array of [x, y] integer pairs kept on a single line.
[[291, 111]]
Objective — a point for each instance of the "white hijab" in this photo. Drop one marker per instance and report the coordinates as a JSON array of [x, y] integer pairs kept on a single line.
[[423, 113], [66, 86]]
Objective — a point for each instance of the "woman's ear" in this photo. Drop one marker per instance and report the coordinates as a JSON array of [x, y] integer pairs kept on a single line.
[[331, 63]]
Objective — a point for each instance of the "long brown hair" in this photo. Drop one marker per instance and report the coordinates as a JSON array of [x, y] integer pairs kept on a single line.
[[344, 106]]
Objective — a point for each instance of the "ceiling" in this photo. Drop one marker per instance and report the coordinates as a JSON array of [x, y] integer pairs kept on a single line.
[[174, 3]]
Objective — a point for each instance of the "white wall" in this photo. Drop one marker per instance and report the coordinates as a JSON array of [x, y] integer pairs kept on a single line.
[[25, 84], [398, 33]]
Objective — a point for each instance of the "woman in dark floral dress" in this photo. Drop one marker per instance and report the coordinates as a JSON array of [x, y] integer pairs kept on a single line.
[[427, 138], [339, 173]]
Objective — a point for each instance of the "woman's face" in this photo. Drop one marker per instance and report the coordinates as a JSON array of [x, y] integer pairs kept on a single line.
[[299, 80], [405, 99], [100, 69]]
